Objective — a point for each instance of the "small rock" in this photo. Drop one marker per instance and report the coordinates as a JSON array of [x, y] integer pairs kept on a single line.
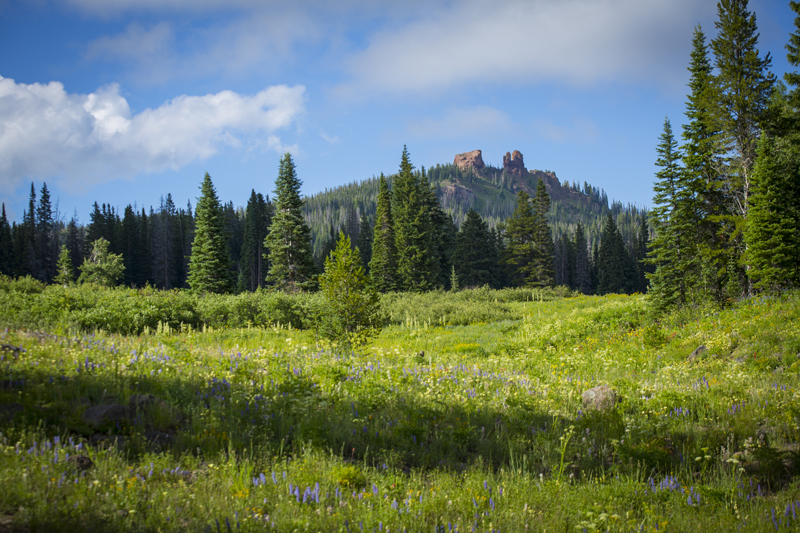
[[9, 410], [81, 462], [600, 398], [695, 354], [98, 415]]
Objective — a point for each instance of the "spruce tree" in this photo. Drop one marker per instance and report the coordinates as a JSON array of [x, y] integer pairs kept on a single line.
[[64, 269], [520, 234], [666, 284], [773, 228], [352, 313], [416, 258], [473, 253], [383, 264], [209, 270], [543, 268], [288, 243], [582, 263], [257, 219], [742, 88], [6, 245], [364, 243], [45, 232], [616, 272]]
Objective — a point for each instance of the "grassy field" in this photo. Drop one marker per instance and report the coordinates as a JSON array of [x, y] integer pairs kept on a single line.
[[465, 414]]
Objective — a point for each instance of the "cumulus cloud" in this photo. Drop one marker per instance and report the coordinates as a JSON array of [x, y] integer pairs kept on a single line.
[[90, 138], [460, 122], [573, 41]]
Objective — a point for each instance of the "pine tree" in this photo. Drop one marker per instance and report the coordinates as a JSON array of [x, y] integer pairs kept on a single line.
[[666, 287], [165, 269], [742, 88], [416, 258], [773, 228], [45, 237], [616, 272], [288, 243], [257, 219], [383, 264], [365, 242], [473, 254], [209, 270], [520, 233], [75, 244], [543, 267], [6, 245], [582, 263], [352, 312], [64, 269]]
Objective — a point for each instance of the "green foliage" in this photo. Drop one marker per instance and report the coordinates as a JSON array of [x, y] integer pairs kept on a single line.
[[259, 413], [209, 266], [64, 268], [288, 244], [475, 254], [102, 267], [352, 307]]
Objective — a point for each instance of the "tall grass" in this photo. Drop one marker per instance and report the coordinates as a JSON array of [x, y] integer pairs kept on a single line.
[[472, 422]]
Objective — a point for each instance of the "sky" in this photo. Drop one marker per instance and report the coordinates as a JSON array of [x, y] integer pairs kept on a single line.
[[124, 101]]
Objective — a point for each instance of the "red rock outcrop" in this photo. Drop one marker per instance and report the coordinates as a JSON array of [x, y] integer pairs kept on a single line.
[[513, 164], [471, 159]]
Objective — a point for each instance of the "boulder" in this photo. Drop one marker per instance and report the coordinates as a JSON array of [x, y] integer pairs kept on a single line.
[[468, 160], [99, 415], [695, 354], [81, 462], [600, 398]]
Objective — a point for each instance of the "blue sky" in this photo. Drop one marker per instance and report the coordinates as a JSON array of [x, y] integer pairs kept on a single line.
[[123, 101]]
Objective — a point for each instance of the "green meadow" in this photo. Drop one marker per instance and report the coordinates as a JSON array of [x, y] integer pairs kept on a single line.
[[125, 410]]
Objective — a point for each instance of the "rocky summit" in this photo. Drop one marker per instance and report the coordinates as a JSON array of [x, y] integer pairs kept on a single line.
[[471, 159], [513, 164]]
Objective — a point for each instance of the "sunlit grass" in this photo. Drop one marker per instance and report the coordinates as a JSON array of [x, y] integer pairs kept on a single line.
[[434, 426]]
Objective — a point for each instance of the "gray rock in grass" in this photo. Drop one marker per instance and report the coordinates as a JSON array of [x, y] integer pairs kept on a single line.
[[695, 354], [600, 398]]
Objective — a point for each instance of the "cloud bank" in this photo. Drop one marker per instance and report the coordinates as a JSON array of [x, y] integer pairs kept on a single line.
[[86, 139], [529, 41]]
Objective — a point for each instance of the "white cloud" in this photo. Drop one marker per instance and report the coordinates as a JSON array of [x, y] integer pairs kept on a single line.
[[460, 122], [527, 41], [46, 132]]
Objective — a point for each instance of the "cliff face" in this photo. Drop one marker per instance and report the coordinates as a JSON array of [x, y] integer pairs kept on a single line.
[[513, 164]]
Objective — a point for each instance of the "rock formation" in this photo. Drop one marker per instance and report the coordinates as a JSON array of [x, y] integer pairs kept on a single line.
[[512, 163], [471, 159]]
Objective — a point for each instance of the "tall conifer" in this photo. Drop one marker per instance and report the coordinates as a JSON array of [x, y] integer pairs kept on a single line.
[[288, 243], [209, 269], [383, 264]]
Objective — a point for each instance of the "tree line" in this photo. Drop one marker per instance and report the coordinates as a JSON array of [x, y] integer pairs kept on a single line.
[[727, 215], [411, 243]]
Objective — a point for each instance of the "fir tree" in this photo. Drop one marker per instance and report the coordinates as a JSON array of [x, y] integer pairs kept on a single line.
[[64, 269], [75, 244], [257, 219], [6, 245], [288, 243], [742, 88], [365, 242], [520, 233], [615, 270], [666, 284], [45, 233], [582, 263], [383, 264], [543, 268], [474, 253], [352, 312], [209, 270]]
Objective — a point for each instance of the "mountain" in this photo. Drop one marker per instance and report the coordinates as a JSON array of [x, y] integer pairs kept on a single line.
[[469, 183]]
